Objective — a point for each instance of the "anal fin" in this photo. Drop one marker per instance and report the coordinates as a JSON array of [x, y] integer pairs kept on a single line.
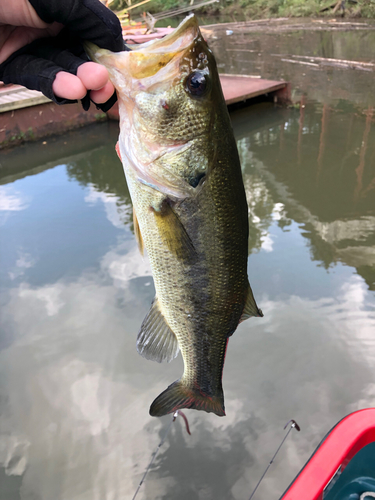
[[251, 308], [156, 341]]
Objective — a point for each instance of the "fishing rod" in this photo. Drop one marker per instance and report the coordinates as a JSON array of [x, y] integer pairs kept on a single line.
[[182, 10], [293, 426], [153, 456], [293, 423]]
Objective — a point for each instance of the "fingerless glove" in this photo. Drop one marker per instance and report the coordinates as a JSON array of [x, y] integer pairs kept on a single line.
[[36, 65]]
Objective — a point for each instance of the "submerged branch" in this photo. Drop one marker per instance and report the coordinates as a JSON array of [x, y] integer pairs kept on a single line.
[[326, 61]]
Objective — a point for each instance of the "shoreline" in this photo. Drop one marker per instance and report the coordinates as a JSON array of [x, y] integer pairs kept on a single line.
[[268, 9]]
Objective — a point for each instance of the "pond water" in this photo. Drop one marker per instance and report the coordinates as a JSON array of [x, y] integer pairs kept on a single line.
[[74, 393]]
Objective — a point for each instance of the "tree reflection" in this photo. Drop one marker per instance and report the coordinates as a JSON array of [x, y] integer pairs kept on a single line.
[[319, 163], [102, 170]]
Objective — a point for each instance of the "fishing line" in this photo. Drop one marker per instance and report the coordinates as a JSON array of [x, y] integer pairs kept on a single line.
[[293, 426], [175, 415]]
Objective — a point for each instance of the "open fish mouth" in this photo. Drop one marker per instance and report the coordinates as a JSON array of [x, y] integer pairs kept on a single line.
[[160, 52], [147, 59]]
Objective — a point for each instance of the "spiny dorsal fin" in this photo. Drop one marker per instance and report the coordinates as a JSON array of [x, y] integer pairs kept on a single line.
[[251, 308], [155, 340], [137, 232], [174, 233]]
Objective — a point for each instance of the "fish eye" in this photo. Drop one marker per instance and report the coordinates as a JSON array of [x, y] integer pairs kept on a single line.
[[197, 83]]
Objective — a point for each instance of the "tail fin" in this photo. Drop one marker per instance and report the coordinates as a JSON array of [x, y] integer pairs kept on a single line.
[[178, 396]]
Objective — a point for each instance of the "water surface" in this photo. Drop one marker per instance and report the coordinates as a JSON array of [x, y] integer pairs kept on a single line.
[[74, 393]]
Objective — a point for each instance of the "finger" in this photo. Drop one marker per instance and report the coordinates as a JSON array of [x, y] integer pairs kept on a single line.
[[89, 76], [102, 95], [68, 86], [93, 76]]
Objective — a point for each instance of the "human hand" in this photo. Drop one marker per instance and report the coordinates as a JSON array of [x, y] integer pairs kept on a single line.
[[41, 48]]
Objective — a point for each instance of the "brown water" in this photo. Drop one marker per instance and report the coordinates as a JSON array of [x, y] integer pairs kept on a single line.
[[74, 393]]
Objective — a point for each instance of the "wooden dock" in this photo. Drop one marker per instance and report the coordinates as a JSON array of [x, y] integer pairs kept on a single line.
[[29, 115], [241, 88], [16, 97]]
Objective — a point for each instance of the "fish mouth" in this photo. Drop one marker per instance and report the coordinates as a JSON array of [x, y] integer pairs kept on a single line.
[[145, 60], [149, 58], [180, 38]]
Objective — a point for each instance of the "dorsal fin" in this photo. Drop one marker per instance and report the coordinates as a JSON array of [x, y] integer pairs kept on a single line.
[[174, 233], [251, 308], [137, 232], [156, 341]]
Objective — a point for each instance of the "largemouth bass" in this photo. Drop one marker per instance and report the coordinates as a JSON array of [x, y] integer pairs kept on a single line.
[[182, 167]]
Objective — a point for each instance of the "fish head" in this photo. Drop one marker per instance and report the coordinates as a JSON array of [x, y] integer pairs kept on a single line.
[[167, 90]]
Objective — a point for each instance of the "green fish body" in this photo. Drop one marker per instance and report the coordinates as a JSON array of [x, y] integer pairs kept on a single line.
[[183, 171]]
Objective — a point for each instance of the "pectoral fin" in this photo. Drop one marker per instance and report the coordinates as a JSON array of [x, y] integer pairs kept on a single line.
[[174, 234], [137, 232], [251, 308], [156, 341]]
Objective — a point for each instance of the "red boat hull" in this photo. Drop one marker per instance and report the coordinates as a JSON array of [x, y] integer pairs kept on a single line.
[[332, 456]]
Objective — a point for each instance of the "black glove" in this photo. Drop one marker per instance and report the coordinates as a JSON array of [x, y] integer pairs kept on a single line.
[[36, 65]]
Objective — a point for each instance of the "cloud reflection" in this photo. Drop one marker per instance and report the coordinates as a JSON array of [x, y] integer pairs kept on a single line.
[[24, 261], [78, 393], [124, 267], [117, 212], [11, 201], [49, 296]]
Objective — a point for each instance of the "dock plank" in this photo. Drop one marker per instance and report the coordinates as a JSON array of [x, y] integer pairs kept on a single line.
[[17, 97], [237, 88]]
